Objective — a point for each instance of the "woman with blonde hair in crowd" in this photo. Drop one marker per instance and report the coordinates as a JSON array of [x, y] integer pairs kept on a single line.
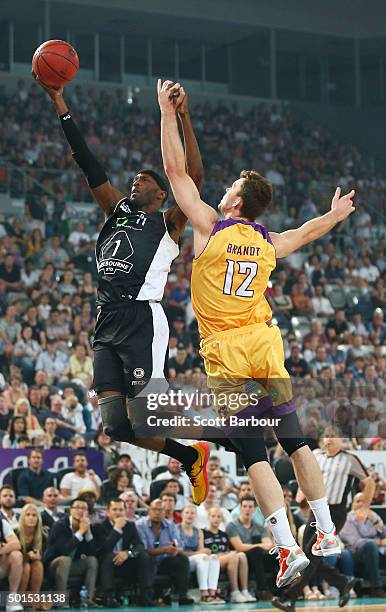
[[32, 538], [201, 560], [235, 563], [23, 409]]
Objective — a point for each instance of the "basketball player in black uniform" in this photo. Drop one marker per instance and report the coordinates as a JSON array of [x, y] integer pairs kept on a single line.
[[134, 252]]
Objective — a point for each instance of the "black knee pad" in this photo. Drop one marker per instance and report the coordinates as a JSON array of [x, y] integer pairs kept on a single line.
[[115, 420], [251, 450], [290, 434]]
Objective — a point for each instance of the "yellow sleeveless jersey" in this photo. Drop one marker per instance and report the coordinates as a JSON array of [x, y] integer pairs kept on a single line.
[[231, 275]]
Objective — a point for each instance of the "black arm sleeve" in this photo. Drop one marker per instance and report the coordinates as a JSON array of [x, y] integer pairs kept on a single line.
[[92, 169]]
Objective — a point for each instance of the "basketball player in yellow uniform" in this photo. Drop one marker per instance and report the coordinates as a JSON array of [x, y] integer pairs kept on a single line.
[[234, 258]]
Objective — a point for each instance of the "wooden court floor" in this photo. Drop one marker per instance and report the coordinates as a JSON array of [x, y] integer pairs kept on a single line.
[[358, 605], [374, 605]]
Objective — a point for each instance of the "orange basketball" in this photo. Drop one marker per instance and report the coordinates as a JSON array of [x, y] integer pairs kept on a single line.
[[55, 62]]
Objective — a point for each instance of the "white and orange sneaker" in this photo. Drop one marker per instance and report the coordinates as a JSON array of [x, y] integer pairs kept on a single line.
[[292, 562], [327, 544]]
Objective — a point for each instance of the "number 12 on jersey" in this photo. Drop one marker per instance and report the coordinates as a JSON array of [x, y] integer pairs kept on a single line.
[[244, 267]]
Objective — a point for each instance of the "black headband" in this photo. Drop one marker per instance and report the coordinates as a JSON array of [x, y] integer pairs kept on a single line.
[[161, 182]]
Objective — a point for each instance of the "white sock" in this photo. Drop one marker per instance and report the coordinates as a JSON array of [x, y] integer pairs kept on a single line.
[[280, 528], [321, 511], [235, 593], [245, 592]]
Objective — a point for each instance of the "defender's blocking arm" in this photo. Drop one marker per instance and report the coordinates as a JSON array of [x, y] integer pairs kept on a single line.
[[193, 161], [202, 216], [291, 240]]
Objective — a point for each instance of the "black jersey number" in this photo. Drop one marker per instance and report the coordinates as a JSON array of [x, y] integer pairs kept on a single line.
[[244, 267]]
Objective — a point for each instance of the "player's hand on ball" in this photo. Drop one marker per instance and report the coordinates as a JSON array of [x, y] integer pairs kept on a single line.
[[343, 205], [168, 93], [53, 93], [173, 89], [182, 103]]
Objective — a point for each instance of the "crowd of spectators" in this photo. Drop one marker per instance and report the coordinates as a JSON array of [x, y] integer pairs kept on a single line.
[[303, 161], [329, 301], [63, 530]]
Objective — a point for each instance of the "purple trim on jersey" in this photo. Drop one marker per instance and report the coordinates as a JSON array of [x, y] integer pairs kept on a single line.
[[220, 225], [263, 408], [283, 409]]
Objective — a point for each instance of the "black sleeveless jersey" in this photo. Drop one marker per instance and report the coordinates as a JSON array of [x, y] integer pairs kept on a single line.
[[134, 252]]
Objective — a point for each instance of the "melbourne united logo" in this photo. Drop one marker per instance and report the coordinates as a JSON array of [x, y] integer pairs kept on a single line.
[[115, 253]]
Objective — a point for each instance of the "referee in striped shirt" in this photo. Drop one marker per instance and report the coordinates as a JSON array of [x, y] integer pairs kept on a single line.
[[340, 469]]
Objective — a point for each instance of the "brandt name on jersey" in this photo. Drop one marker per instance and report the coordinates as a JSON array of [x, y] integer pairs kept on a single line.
[[134, 252]]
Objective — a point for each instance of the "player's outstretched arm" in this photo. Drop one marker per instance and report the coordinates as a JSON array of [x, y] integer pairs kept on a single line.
[[193, 161], [292, 240], [202, 216], [104, 193], [174, 216]]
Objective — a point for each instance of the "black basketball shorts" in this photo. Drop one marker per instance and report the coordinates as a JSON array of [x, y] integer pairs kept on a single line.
[[131, 348]]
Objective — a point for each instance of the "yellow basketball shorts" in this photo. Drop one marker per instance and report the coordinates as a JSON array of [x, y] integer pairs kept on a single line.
[[246, 364]]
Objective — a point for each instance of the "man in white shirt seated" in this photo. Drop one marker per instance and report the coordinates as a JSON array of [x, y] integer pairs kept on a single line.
[[7, 505], [321, 304], [368, 272], [78, 237], [80, 478], [357, 327], [11, 561], [175, 472]]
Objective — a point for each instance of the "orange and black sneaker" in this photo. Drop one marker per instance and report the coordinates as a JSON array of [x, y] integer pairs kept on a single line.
[[197, 473], [292, 561]]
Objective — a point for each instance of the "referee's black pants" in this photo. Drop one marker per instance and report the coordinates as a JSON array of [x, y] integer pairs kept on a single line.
[[323, 570]]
